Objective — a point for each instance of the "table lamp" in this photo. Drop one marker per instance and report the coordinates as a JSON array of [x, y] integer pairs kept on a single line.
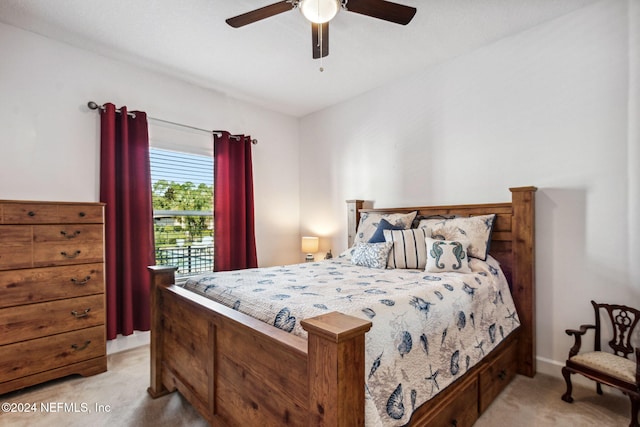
[[310, 246]]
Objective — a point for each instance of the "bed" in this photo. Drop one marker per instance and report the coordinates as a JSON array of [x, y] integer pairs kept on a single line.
[[237, 370]]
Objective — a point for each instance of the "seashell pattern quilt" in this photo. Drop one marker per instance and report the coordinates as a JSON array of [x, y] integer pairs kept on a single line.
[[428, 328]]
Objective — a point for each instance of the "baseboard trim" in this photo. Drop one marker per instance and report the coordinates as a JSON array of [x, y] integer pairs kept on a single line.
[[554, 368], [128, 342], [549, 367]]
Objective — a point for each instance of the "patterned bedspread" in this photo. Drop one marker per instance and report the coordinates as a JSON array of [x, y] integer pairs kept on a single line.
[[428, 329]]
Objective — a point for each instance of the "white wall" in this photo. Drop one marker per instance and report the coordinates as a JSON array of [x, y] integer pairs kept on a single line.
[[49, 139], [555, 107]]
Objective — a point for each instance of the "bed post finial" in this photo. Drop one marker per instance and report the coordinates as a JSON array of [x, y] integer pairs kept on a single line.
[[353, 219]]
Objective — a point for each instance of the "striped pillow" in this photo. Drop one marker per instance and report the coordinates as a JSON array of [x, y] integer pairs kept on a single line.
[[409, 248]]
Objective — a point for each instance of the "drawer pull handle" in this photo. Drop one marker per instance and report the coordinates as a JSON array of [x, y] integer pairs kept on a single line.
[[502, 374], [82, 214], [31, 213], [70, 256], [70, 236], [85, 313], [82, 347], [80, 282]]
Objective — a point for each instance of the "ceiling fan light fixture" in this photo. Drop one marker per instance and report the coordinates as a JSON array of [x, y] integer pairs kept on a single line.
[[319, 11]]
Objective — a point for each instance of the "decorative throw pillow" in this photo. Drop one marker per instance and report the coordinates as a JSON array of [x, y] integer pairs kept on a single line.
[[346, 255], [373, 255], [369, 222], [378, 236], [418, 218], [409, 248], [446, 255], [475, 229]]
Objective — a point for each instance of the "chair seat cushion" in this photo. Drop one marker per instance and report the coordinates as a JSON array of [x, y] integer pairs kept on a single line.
[[610, 364]]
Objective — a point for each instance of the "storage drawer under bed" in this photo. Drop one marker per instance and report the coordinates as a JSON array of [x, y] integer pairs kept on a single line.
[[496, 374], [460, 410]]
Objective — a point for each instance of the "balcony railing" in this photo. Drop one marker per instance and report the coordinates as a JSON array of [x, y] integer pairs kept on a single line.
[[190, 260]]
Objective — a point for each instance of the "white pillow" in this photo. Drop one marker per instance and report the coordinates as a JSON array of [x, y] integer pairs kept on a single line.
[[372, 255], [475, 229], [447, 256], [409, 248], [369, 222]]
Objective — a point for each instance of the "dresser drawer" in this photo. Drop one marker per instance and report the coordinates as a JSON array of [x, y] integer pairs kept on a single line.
[[497, 374], [15, 246], [45, 284], [67, 233], [28, 213], [80, 213], [25, 322], [45, 213], [462, 412], [42, 354], [25, 246], [16, 256], [50, 254]]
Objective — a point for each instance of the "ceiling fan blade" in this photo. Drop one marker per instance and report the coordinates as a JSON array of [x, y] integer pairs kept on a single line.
[[320, 39], [381, 9], [259, 14]]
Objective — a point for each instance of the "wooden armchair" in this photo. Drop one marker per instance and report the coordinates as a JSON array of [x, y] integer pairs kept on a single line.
[[613, 369]]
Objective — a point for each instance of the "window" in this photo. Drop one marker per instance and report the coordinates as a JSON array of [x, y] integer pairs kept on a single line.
[[182, 193]]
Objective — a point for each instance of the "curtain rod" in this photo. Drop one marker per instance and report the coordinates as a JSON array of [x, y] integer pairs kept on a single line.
[[94, 106]]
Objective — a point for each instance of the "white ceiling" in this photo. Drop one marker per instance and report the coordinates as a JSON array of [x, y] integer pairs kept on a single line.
[[269, 62]]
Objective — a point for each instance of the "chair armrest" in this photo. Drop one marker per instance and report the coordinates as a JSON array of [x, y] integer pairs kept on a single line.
[[638, 367], [577, 334]]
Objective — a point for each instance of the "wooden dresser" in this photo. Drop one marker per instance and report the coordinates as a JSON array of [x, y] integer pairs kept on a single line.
[[52, 303]]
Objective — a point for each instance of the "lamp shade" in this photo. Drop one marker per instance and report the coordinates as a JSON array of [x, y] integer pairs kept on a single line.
[[319, 11], [310, 245]]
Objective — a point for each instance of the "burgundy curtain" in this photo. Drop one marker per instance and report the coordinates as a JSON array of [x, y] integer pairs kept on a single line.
[[125, 188], [234, 233]]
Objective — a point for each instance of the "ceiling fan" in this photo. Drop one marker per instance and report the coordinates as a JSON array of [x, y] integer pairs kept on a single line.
[[320, 12]]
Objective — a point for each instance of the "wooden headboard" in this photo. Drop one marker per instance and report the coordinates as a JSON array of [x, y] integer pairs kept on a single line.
[[512, 244]]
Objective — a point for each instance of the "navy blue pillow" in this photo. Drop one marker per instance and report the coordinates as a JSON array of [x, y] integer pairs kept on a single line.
[[378, 236]]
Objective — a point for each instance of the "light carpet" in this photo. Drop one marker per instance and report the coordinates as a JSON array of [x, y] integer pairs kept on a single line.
[[118, 397]]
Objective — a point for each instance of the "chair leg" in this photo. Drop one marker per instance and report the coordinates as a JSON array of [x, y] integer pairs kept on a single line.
[[635, 406], [567, 378]]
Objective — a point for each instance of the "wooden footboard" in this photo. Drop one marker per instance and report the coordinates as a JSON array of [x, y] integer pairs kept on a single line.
[[236, 370]]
